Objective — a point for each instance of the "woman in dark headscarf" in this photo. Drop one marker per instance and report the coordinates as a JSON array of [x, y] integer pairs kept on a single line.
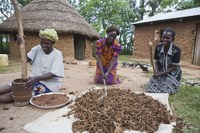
[[167, 69], [107, 50]]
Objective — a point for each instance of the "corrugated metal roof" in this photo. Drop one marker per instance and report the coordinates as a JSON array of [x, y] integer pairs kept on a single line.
[[172, 15]]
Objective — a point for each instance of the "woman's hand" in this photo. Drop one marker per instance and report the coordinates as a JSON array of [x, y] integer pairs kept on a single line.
[[31, 81], [105, 76], [157, 74]]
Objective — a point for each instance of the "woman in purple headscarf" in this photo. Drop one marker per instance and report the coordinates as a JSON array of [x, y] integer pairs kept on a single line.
[[107, 50]]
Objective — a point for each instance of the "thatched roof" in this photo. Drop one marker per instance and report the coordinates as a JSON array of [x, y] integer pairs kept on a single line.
[[57, 14]]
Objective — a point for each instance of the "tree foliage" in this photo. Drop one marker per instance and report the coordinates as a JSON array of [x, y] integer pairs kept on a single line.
[[6, 9], [102, 14], [23, 2], [186, 4]]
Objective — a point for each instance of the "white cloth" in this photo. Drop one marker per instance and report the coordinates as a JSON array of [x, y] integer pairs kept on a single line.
[[43, 63]]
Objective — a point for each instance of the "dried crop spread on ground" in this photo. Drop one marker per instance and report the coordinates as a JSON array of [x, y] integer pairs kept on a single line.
[[121, 110]]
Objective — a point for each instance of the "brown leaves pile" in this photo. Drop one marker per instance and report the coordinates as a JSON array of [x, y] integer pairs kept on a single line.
[[121, 110]]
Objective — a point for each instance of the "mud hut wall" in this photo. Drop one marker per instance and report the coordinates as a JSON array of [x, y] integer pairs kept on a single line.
[[88, 49], [14, 48], [185, 38], [31, 40], [66, 45]]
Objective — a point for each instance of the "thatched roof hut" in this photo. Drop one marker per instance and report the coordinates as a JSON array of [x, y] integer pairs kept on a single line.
[[75, 34]]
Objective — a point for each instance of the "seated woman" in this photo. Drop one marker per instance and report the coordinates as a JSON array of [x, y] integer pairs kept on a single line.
[[107, 50], [47, 67], [167, 69]]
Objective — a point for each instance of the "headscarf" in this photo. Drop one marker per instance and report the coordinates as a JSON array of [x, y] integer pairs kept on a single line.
[[111, 29], [50, 34]]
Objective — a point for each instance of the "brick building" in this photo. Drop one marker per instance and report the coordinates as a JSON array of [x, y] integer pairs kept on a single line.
[[186, 23]]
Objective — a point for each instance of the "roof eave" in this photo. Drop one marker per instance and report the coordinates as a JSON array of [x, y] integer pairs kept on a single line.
[[165, 20]]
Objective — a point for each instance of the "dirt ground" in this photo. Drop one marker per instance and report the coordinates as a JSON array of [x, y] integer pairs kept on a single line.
[[78, 79]]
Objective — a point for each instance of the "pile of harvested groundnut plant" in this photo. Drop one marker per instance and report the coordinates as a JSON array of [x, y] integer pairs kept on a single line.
[[120, 110]]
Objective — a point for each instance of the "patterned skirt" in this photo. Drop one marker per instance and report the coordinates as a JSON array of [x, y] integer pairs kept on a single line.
[[165, 84]]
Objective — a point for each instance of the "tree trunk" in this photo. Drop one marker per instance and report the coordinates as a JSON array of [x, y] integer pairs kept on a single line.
[[21, 35]]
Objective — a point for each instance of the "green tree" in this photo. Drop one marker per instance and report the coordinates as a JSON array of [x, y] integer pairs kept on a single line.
[[6, 9], [157, 6], [139, 10], [102, 14], [23, 2], [186, 4], [153, 6]]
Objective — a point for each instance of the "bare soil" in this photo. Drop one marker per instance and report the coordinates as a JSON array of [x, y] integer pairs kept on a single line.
[[78, 78]]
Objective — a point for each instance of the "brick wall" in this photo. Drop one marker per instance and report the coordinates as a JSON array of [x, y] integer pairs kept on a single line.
[[64, 44], [185, 37], [88, 49]]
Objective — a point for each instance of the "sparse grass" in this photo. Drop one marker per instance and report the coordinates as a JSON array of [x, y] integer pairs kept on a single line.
[[121, 77], [149, 74], [131, 59], [186, 104], [185, 74], [12, 67], [124, 58]]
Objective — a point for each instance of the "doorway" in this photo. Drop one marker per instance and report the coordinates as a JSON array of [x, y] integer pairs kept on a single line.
[[196, 56], [4, 43], [79, 47]]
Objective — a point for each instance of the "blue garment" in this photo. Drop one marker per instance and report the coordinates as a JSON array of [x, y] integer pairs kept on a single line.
[[40, 88]]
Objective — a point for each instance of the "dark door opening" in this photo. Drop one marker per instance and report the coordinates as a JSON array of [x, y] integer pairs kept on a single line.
[[196, 56], [4, 43], [79, 47]]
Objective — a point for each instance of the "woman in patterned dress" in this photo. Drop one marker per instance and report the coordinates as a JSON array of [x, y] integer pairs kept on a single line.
[[167, 69], [107, 50]]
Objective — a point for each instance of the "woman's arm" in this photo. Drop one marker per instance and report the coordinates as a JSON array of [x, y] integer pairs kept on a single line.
[[28, 59], [168, 70], [165, 72], [100, 63], [112, 62], [157, 67], [32, 80]]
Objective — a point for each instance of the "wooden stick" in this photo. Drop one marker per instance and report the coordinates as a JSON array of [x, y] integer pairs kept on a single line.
[[21, 36], [151, 56]]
